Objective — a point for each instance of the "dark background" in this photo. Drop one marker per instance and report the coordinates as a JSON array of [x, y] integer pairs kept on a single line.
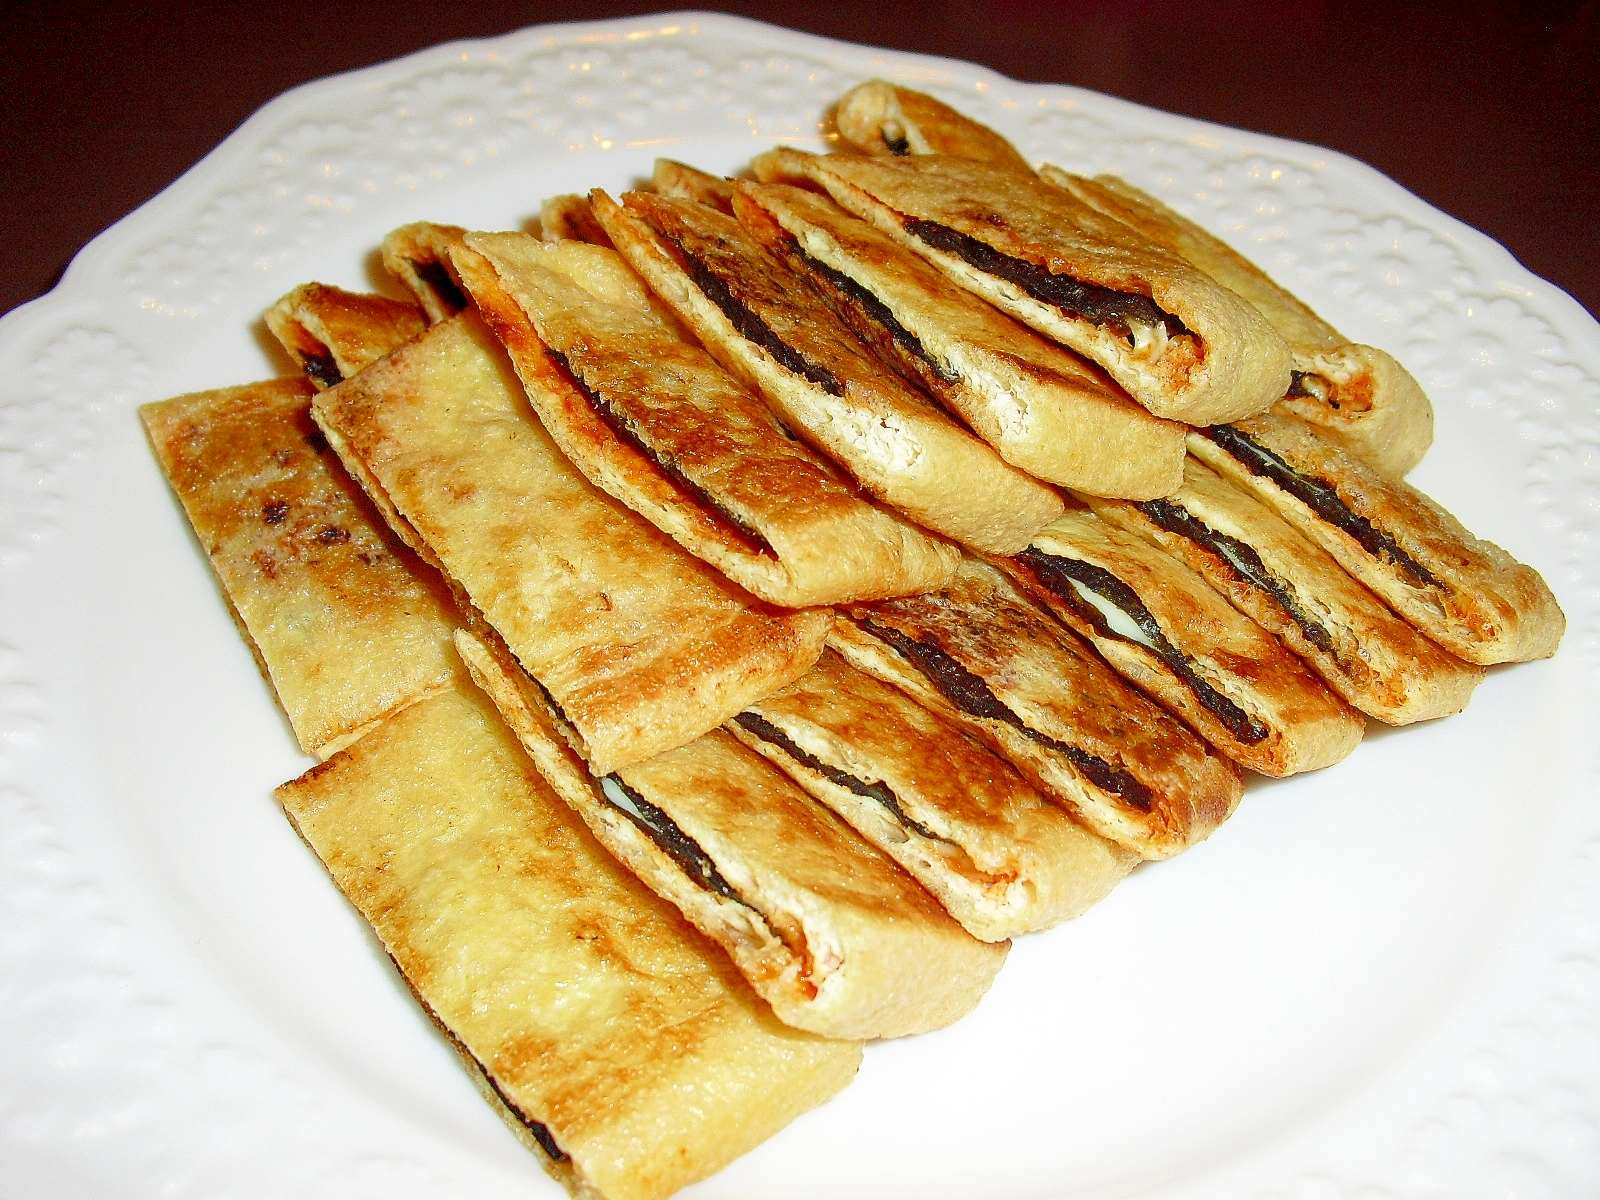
[[1490, 111]]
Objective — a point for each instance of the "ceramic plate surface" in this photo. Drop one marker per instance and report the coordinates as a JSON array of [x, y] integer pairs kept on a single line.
[[1379, 981]]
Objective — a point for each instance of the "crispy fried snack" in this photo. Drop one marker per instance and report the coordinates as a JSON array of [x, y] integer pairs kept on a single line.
[[1181, 344]]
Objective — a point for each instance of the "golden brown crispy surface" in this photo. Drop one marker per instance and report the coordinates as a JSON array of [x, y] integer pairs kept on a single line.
[[1468, 595], [1045, 409], [657, 423], [333, 333], [877, 117], [1226, 359], [1231, 680], [999, 856], [590, 1005], [347, 624], [833, 935], [762, 323], [643, 646], [1122, 765], [1357, 395], [1372, 658]]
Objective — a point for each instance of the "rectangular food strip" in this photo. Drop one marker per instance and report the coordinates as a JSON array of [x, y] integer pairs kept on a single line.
[[1000, 856], [1174, 637], [1357, 395], [655, 421], [980, 653], [1292, 588], [1180, 344], [836, 937], [622, 1047], [1469, 595], [764, 323], [641, 646], [346, 623], [1042, 407]]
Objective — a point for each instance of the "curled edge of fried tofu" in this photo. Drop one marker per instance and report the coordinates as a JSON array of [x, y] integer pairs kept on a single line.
[[879, 117], [331, 333]]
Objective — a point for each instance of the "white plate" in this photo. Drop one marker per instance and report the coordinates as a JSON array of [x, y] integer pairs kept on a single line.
[[1379, 981]]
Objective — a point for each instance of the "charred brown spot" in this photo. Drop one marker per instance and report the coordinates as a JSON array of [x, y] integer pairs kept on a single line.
[[332, 535], [1322, 498], [274, 511], [321, 369], [628, 432], [971, 695], [1058, 573], [1242, 558], [749, 323], [1087, 301], [881, 792]]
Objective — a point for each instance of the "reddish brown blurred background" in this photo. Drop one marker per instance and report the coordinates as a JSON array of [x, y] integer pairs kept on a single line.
[[1490, 111]]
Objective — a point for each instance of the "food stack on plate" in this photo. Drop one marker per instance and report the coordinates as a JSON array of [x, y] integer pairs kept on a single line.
[[730, 614]]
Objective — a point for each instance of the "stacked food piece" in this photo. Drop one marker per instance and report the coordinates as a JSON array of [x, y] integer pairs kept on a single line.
[[731, 614]]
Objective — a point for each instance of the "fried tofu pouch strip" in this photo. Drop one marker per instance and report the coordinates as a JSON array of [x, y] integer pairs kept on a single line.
[[641, 645], [344, 621], [1292, 588], [981, 654], [1043, 408], [836, 937], [1181, 344], [616, 1042], [570, 218], [1468, 595], [657, 423], [761, 322], [332, 333], [1171, 635], [1358, 396], [998, 855], [877, 117]]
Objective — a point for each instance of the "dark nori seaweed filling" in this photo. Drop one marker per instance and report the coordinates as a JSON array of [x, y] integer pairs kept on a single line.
[[628, 432], [1089, 301], [971, 695], [321, 369], [1322, 498], [541, 1132], [1057, 573], [896, 142], [881, 792], [1242, 558], [874, 309], [439, 282], [678, 845], [749, 323]]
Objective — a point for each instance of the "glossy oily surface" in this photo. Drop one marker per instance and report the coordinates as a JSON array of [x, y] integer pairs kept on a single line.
[[1377, 981]]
